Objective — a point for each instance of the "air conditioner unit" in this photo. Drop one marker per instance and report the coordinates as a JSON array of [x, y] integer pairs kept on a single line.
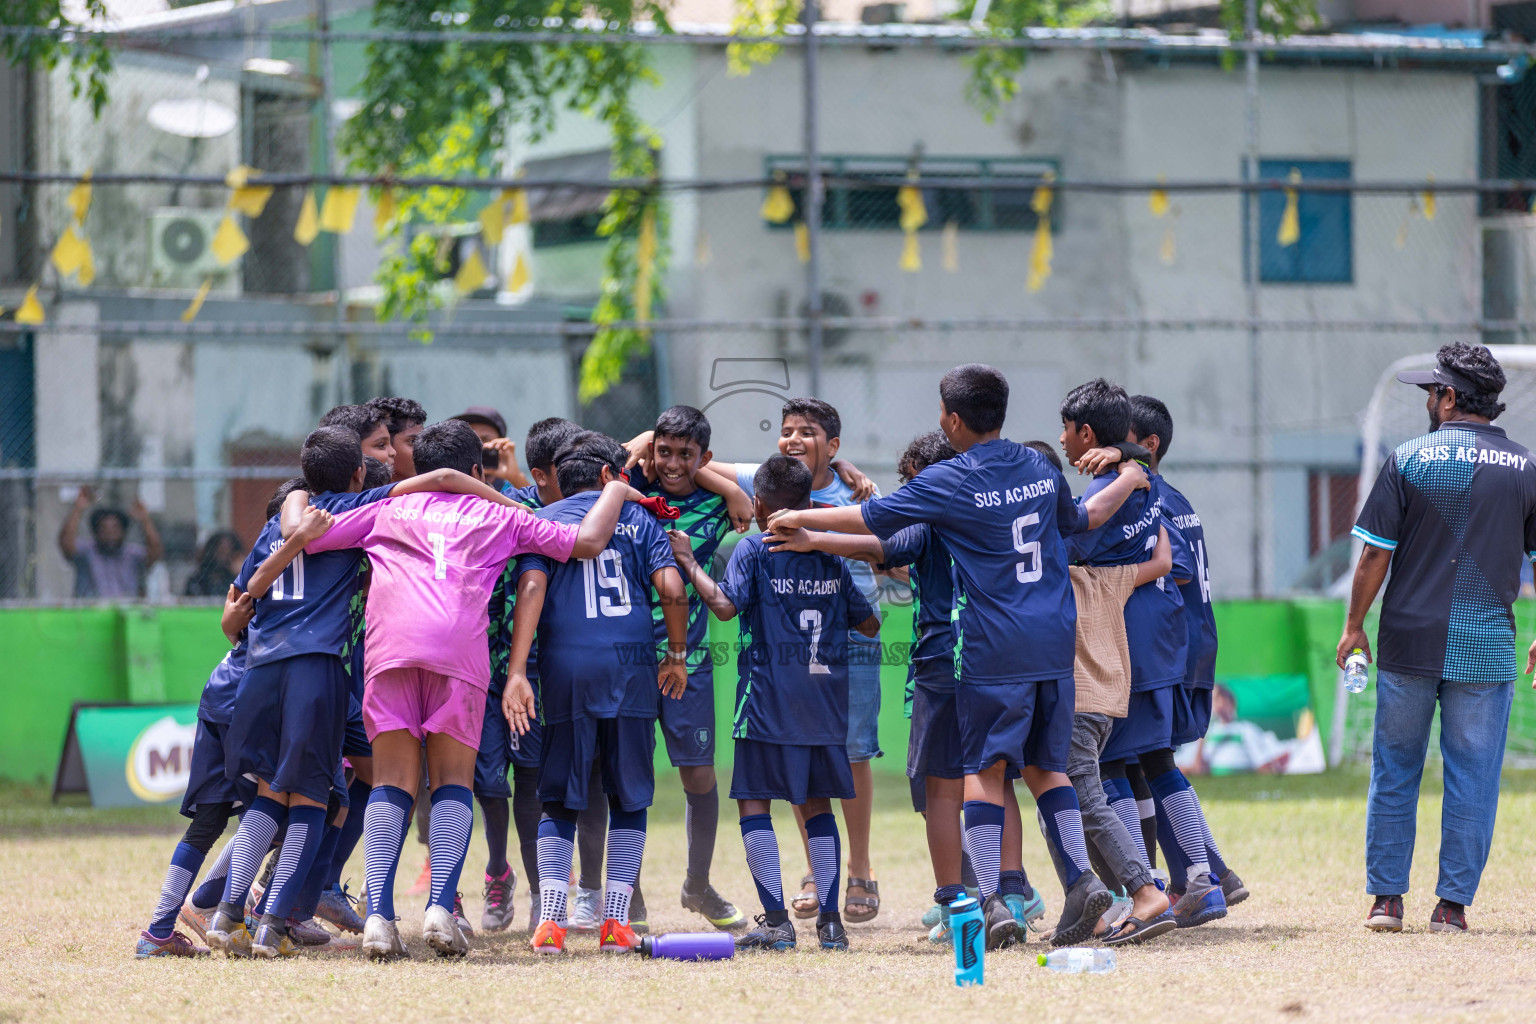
[[181, 249]]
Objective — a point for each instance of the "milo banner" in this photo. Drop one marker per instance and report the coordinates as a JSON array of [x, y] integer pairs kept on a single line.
[[126, 755]]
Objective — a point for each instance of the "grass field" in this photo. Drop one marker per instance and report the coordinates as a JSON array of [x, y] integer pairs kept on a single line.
[[76, 886]]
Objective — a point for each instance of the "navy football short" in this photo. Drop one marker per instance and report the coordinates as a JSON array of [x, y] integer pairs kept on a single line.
[[339, 785], [934, 748], [495, 755], [688, 724], [623, 749], [783, 771], [1191, 714], [289, 722], [206, 783], [355, 742], [1022, 724], [1147, 725], [527, 749], [919, 794]]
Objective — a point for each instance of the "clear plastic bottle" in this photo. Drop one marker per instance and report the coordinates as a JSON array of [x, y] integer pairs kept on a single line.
[[1354, 671], [1079, 960]]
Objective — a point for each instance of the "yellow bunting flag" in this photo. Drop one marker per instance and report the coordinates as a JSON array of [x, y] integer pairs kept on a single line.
[[70, 252], [1157, 200], [384, 212], [250, 200], [1168, 253], [950, 244], [702, 254], [1040, 202], [308, 227], [196, 305], [30, 311], [472, 274], [911, 254], [87, 268], [914, 213], [518, 200], [339, 209], [1040, 256], [79, 198], [239, 177], [778, 206], [1429, 200], [645, 263], [493, 220], [1401, 241], [1290, 220], [518, 279], [229, 242], [802, 242]]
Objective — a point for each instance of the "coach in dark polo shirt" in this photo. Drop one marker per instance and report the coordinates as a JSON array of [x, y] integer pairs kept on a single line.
[[1453, 513]]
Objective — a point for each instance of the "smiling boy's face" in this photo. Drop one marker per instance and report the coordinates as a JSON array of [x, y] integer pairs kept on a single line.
[[803, 439], [676, 461]]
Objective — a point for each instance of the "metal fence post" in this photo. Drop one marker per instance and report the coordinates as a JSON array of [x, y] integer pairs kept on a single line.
[[814, 196], [1255, 339]]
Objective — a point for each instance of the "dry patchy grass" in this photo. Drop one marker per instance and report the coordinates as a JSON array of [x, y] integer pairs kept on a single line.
[[76, 885]]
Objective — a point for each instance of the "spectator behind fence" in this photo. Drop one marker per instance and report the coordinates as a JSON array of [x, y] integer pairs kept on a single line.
[[217, 565], [106, 564]]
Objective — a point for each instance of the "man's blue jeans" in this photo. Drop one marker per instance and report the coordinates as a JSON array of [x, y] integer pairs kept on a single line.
[[1474, 721]]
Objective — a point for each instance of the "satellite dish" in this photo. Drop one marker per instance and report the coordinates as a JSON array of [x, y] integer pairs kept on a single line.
[[192, 118]]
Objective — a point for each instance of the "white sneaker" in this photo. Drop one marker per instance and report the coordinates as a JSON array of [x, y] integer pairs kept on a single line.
[[381, 939], [586, 910], [442, 932]]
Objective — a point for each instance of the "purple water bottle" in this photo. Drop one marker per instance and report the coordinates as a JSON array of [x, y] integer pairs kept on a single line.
[[689, 946]]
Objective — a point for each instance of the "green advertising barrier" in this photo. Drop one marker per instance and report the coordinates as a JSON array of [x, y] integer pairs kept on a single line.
[[127, 755]]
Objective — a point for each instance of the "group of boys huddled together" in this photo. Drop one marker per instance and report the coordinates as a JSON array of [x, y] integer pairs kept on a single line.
[[398, 611]]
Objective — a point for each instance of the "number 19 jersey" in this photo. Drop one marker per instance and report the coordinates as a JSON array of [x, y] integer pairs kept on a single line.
[[1002, 510], [597, 653], [795, 610]]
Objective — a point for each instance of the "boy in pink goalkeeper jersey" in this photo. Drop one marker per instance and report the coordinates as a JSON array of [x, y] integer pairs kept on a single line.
[[435, 558]]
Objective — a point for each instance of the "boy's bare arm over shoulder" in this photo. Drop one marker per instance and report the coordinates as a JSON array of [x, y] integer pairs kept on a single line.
[[720, 606], [442, 481], [517, 700], [312, 526], [1161, 562]]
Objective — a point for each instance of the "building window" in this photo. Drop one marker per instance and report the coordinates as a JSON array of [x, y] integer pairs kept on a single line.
[[851, 206], [1322, 254], [564, 215], [1331, 500]]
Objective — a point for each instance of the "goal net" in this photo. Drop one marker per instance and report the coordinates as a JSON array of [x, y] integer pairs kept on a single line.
[[1396, 413]]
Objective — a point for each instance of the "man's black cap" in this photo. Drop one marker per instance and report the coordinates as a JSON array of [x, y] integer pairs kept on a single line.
[[484, 414]]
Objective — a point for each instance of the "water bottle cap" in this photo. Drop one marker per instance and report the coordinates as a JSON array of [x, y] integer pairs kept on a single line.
[[647, 946], [1040, 959]]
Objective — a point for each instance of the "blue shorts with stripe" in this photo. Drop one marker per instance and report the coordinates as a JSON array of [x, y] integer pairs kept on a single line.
[[1024, 724], [1191, 714], [790, 772], [623, 749], [688, 723], [1147, 725], [206, 782]]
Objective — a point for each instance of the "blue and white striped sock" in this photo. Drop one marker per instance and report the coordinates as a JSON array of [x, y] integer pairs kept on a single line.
[[762, 848], [252, 841], [1123, 802], [306, 828], [1218, 865], [453, 819], [826, 858], [207, 895], [626, 849], [1064, 828], [319, 870], [1176, 800], [984, 843], [557, 847], [185, 862], [384, 825]]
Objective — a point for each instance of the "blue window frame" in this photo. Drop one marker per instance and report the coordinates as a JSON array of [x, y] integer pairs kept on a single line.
[[1324, 254]]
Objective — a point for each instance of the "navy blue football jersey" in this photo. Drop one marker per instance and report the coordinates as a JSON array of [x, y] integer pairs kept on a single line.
[[308, 610], [1155, 628], [704, 519], [1002, 510], [794, 611], [597, 652], [528, 494], [1199, 613], [218, 701], [933, 606]]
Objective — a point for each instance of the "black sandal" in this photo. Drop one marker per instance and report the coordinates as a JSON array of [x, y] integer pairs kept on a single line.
[[871, 902], [1134, 930]]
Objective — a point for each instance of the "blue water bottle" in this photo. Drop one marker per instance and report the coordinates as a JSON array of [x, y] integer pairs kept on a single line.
[[970, 936]]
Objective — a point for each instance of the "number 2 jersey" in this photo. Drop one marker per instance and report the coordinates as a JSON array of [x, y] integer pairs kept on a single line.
[[307, 610], [597, 653], [435, 558], [795, 610], [1001, 510]]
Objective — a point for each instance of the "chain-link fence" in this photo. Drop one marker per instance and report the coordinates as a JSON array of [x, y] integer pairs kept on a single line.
[[1255, 250]]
